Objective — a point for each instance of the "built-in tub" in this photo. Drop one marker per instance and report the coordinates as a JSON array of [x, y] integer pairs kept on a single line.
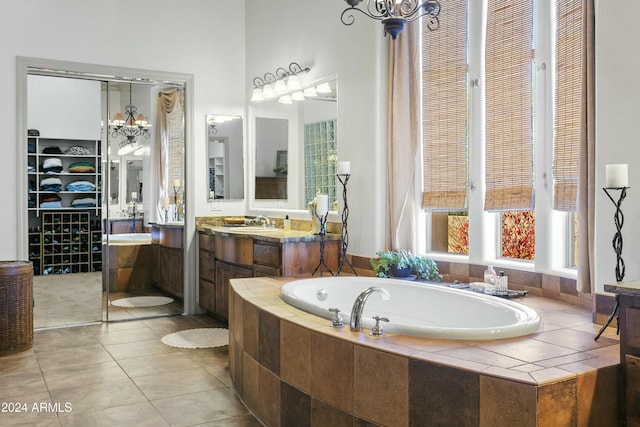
[[128, 239], [416, 308]]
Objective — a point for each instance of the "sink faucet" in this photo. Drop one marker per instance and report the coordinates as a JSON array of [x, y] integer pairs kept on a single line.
[[355, 322], [261, 220]]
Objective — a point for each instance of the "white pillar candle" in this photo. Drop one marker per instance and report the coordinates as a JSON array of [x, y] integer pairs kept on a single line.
[[344, 168], [617, 176], [165, 203], [322, 204], [134, 195], [177, 182]]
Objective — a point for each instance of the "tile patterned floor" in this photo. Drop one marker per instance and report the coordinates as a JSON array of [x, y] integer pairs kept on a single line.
[[120, 374]]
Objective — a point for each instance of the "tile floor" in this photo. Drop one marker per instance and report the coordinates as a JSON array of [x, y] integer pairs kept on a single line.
[[120, 374]]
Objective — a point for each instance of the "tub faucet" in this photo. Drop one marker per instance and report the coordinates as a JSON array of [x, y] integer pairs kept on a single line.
[[355, 322]]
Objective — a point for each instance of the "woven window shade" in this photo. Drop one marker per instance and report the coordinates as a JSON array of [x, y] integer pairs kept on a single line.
[[175, 137], [567, 104], [509, 149], [444, 87]]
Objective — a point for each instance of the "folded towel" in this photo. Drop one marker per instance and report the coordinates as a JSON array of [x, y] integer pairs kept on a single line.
[[49, 205], [51, 181], [52, 161], [81, 167], [84, 202], [52, 150], [80, 186], [77, 150], [49, 198]]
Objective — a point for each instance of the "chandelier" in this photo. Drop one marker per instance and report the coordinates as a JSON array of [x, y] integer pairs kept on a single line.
[[130, 125], [394, 14]]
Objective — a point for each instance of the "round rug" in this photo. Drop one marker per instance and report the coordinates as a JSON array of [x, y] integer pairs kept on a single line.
[[141, 301], [198, 338]]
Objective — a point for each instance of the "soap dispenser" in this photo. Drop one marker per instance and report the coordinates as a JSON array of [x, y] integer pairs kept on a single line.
[[490, 275], [287, 224]]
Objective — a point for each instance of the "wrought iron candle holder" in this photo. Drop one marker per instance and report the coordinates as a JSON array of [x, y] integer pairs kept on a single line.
[[176, 193], [618, 219], [322, 231], [344, 179]]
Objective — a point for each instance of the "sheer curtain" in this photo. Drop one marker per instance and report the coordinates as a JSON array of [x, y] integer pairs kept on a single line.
[[586, 184], [170, 142], [403, 129]]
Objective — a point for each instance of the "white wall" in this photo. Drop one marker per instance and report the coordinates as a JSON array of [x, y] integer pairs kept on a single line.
[[55, 116], [177, 37], [310, 33], [617, 134]]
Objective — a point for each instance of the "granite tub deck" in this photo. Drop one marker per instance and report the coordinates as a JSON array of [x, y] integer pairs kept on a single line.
[[292, 368]]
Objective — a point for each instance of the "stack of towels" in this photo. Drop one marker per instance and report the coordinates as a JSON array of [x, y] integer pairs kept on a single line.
[[51, 184], [52, 165]]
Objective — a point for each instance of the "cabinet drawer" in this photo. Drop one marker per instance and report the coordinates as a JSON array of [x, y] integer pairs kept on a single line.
[[207, 242], [234, 250], [265, 271], [266, 254]]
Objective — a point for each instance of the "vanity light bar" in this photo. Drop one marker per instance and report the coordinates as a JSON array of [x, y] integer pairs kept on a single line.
[[273, 85]]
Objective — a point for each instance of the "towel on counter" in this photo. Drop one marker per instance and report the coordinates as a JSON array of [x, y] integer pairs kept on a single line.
[[51, 184], [81, 167], [80, 185], [84, 202], [77, 150], [52, 165]]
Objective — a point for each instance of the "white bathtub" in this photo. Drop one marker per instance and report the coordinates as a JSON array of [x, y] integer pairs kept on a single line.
[[417, 309], [127, 239]]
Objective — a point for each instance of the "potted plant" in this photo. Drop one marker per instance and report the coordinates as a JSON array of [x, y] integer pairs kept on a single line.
[[401, 263]]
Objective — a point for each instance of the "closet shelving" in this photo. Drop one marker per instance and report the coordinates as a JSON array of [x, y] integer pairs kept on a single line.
[[64, 236]]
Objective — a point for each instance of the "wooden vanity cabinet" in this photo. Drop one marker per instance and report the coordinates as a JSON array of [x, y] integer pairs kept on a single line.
[[224, 272], [168, 258], [223, 257], [207, 271], [267, 260]]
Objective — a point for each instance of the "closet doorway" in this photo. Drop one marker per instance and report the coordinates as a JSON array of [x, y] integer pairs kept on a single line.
[[90, 209]]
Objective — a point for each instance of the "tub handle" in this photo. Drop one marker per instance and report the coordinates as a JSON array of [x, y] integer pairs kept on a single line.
[[337, 321], [377, 330]]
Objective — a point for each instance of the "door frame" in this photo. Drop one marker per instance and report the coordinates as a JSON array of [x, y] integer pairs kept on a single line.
[[27, 65]]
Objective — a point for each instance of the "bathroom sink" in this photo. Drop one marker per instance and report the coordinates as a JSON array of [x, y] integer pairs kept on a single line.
[[249, 229]]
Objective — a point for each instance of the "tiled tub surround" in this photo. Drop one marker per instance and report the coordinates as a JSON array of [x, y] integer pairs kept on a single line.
[[292, 369]]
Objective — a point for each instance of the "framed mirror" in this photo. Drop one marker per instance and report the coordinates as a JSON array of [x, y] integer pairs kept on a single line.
[[134, 180], [224, 157], [303, 136], [114, 181]]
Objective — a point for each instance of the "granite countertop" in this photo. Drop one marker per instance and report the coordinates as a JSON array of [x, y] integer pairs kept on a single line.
[[168, 224], [266, 234], [624, 288]]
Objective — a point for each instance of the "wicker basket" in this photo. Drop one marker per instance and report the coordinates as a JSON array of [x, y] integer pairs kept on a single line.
[[16, 306]]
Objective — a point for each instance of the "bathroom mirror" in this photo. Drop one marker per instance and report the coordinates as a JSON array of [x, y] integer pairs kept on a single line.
[[134, 180], [302, 135], [224, 157], [114, 181]]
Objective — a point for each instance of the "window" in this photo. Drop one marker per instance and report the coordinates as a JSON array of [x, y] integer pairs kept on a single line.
[[495, 115]]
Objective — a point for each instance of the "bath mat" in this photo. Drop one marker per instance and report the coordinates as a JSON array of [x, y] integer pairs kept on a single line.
[[198, 338], [141, 301]]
